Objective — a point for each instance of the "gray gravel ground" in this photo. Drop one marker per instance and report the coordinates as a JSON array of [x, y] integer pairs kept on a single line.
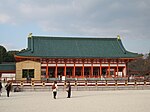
[[81, 101]]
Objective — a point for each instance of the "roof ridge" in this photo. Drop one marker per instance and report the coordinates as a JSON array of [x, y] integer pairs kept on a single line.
[[75, 37]]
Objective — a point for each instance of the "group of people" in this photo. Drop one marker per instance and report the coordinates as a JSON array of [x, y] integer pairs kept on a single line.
[[55, 89], [8, 88]]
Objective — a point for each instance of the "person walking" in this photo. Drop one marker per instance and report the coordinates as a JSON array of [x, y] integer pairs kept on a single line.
[[1, 88], [8, 88], [54, 89], [68, 89]]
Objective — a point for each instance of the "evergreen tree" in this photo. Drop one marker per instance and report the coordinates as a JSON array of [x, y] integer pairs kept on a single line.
[[10, 56], [141, 66], [7, 56], [3, 53]]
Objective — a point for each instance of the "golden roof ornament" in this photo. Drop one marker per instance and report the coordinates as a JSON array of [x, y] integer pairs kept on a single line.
[[118, 37], [29, 35]]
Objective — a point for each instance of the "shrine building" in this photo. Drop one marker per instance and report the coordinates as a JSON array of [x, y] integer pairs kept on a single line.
[[73, 57]]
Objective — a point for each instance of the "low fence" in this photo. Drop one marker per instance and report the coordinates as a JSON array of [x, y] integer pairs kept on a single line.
[[81, 83]]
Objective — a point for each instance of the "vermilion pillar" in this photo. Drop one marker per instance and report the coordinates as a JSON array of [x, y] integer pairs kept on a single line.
[[108, 69], [47, 70], [83, 70], [74, 70], [56, 71], [65, 70], [91, 75], [117, 68], [115, 73], [100, 69]]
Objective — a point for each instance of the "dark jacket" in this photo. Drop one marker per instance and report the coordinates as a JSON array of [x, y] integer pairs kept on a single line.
[[68, 87], [1, 86], [8, 87]]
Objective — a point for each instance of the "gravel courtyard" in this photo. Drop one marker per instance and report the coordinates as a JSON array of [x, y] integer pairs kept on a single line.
[[81, 101]]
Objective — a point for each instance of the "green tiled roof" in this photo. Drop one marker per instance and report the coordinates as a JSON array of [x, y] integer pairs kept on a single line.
[[8, 67], [75, 47]]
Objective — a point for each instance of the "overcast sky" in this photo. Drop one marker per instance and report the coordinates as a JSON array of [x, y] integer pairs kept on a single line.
[[101, 18]]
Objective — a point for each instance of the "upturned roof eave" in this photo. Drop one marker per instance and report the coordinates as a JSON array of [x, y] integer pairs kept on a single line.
[[119, 57]]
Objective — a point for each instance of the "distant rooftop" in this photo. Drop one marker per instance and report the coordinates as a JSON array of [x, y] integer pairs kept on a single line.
[[7, 67]]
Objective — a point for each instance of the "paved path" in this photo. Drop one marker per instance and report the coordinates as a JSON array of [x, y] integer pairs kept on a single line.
[[82, 101]]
